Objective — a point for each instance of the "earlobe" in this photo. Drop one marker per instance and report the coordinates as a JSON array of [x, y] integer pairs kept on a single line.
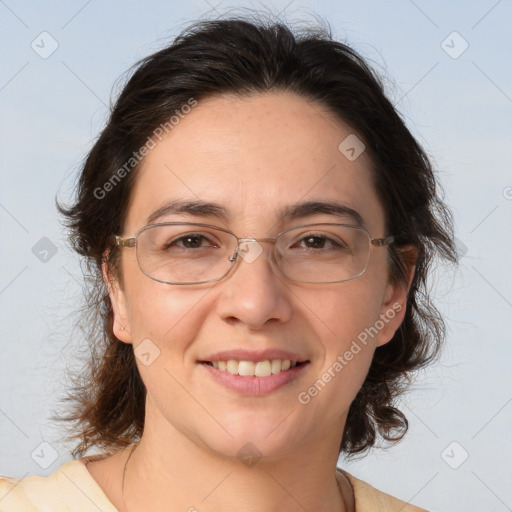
[[121, 326]]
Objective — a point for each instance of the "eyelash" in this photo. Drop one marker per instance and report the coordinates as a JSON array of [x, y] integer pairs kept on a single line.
[[324, 239]]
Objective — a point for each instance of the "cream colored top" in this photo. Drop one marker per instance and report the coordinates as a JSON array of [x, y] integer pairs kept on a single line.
[[71, 488]]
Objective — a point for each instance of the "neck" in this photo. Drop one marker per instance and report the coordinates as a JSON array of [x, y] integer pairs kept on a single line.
[[194, 479]]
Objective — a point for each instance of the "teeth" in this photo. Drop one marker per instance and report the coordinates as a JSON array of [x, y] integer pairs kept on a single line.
[[250, 369], [232, 367], [276, 366]]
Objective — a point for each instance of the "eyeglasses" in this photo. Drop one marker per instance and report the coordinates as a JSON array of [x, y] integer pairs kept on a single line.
[[195, 253]]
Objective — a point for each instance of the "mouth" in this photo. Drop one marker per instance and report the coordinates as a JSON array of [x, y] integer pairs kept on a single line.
[[262, 369], [255, 378]]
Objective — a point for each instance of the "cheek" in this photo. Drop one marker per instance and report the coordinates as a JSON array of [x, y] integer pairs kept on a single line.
[[346, 319], [343, 318], [169, 316], [165, 324], [344, 311]]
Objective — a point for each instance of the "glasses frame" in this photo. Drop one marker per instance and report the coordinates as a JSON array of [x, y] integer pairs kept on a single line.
[[131, 243]]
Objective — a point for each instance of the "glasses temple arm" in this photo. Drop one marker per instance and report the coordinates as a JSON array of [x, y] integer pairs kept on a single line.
[[124, 242], [380, 242]]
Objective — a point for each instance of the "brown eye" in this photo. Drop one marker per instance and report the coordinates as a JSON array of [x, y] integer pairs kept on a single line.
[[189, 241]]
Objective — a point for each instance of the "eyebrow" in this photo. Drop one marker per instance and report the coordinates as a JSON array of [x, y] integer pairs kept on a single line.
[[295, 211]]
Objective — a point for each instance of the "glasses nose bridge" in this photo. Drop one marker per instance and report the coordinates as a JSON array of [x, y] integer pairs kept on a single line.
[[252, 239], [242, 240], [256, 240]]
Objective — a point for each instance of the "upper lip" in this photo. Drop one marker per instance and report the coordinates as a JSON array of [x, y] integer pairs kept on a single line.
[[254, 355]]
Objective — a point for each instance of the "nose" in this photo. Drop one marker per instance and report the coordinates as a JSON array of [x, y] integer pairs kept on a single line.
[[254, 292]]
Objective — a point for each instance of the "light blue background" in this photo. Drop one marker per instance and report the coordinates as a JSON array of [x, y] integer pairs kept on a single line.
[[460, 109]]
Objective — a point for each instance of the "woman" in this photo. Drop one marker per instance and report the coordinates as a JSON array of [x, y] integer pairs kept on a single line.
[[261, 224]]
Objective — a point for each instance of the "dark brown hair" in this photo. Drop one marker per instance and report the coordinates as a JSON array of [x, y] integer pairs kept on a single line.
[[245, 57]]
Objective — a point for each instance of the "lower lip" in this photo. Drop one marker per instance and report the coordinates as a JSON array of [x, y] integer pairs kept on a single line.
[[255, 386]]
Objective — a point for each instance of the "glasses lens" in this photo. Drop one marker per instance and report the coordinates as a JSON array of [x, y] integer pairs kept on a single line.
[[323, 253], [191, 253], [184, 253]]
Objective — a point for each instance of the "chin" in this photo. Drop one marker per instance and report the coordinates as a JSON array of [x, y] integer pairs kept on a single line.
[[252, 437]]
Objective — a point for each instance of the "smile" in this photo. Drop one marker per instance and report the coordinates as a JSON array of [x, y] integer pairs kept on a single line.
[[263, 368], [247, 382]]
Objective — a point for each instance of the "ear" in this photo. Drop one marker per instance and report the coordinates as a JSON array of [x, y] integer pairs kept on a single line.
[[394, 302], [121, 326]]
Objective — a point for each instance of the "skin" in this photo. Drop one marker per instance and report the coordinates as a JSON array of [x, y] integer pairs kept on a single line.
[[240, 153]]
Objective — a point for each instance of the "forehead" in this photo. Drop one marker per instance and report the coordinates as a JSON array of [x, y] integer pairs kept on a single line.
[[255, 156]]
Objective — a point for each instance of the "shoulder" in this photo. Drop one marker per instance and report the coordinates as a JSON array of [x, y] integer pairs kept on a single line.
[[69, 488], [369, 499]]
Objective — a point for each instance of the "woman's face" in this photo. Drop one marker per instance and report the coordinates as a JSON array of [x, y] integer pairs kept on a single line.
[[254, 157]]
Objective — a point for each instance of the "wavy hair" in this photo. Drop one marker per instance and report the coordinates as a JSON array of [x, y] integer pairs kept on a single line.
[[246, 57]]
